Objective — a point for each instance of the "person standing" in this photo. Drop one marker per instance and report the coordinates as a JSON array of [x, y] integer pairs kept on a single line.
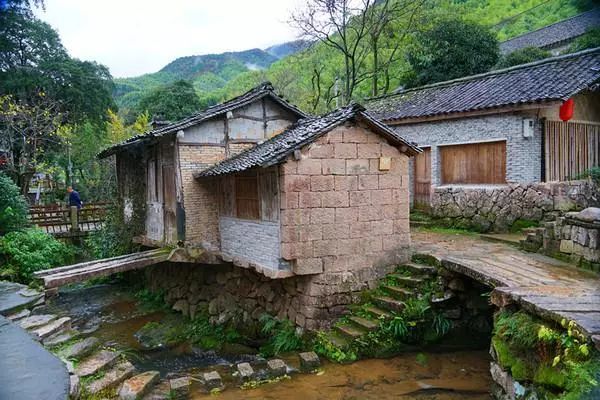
[[74, 199]]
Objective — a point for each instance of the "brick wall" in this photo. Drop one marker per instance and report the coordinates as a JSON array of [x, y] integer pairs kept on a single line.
[[256, 241], [523, 155], [339, 212], [199, 198]]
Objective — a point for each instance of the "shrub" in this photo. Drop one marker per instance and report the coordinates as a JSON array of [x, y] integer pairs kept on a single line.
[[24, 252], [589, 40], [523, 56], [13, 207], [115, 237], [282, 336]]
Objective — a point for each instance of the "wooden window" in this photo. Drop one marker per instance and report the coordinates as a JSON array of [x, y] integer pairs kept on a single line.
[[269, 196], [151, 176], [477, 163], [246, 196]]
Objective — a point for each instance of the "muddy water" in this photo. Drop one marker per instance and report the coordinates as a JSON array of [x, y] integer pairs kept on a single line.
[[110, 313]]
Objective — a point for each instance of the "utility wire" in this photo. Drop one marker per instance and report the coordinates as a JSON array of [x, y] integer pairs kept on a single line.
[[513, 17]]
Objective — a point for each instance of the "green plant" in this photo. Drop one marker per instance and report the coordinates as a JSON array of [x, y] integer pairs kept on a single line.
[[523, 56], [282, 336], [324, 347], [24, 252], [13, 207], [521, 224], [441, 325], [592, 173], [151, 300]]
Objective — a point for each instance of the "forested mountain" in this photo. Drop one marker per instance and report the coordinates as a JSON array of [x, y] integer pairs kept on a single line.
[[206, 72]]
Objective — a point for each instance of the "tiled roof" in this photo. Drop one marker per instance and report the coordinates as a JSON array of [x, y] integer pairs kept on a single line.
[[303, 132], [263, 90], [552, 34], [549, 80]]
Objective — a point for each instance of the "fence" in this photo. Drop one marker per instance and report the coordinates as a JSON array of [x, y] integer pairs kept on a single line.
[[68, 221], [571, 148]]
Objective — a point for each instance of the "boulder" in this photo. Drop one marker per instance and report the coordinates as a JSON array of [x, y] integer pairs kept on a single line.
[[276, 367], [136, 387], [112, 378], [245, 371], [97, 362], [309, 361], [212, 380], [180, 387], [81, 348], [35, 321]]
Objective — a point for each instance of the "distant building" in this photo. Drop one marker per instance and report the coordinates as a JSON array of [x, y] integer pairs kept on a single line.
[[556, 37]]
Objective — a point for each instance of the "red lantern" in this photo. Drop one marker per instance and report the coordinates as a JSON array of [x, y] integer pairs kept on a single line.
[[566, 110]]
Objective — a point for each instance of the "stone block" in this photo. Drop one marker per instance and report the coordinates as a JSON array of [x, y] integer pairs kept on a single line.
[[321, 151], [348, 246], [345, 150], [136, 387], [309, 361], [310, 199], [566, 246], [290, 199], [360, 198], [308, 266], [381, 196], [180, 387], [356, 135], [333, 166], [335, 199], [336, 231], [310, 232], [382, 227], [322, 215], [390, 181], [296, 183], [369, 150], [346, 182], [309, 166], [360, 229], [324, 248], [276, 367], [321, 183], [245, 371], [370, 213], [357, 166], [81, 348], [367, 182], [345, 215]]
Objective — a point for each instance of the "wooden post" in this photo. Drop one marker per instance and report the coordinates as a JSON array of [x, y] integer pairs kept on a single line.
[[74, 219]]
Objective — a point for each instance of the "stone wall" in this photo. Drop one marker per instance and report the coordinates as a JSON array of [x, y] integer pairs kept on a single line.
[[226, 292], [257, 241], [341, 212], [199, 198], [577, 236], [496, 208], [523, 154]]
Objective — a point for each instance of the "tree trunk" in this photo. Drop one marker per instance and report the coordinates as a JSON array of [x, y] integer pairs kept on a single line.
[[375, 50]]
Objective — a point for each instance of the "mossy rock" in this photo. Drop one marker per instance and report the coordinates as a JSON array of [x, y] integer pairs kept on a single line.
[[520, 369], [425, 259], [553, 377]]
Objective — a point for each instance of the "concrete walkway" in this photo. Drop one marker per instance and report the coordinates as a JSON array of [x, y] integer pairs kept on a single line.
[[544, 286]]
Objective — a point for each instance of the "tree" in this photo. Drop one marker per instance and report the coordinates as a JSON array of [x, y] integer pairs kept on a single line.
[[13, 207], [590, 39], [451, 49], [523, 56], [171, 102]]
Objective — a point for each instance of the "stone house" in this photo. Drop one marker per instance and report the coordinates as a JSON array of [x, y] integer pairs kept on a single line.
[[292, 218], [488, 138], [556, 37]]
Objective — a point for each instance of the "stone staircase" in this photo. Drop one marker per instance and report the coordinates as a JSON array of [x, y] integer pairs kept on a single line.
[[386, 301]]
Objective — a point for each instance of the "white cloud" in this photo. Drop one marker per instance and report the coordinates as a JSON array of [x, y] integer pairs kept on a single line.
[[134, 37]]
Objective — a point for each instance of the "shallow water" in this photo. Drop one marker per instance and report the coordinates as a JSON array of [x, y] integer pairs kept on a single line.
[[110, 313]]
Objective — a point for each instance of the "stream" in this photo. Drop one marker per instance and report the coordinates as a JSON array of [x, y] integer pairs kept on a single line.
[[110, 313]]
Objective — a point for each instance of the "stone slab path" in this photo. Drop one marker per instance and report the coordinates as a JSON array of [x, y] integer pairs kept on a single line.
[[544, 286]]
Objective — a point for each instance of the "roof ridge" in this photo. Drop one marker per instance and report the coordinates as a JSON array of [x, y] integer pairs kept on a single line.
[[490, 73], [552, 24]]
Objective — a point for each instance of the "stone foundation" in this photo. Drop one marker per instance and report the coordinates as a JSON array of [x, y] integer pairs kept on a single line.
[[228, 292], [576, 236], [497, 208]]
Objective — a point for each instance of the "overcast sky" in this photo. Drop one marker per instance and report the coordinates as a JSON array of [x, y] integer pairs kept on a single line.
[[133, 37]]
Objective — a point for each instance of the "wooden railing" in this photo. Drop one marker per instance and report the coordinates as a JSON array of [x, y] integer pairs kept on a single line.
[[68, 221]]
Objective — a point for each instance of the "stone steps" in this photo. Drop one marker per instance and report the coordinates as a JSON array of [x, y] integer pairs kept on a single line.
[[35, 321], [364, 323], [350, 331], [112, 378], [407, 281], [81, 349], [60, 337], [56, 326], [390, 304], [139, 385], [419, 269], [377, 312], [398, 292], [97, 362], [337, 339]]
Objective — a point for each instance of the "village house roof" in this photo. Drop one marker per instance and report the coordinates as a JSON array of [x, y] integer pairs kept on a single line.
[[298, 135], [554, 34], [541, 82], [263, 90]]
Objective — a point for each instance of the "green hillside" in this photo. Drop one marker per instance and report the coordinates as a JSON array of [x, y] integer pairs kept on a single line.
[[307, 75]]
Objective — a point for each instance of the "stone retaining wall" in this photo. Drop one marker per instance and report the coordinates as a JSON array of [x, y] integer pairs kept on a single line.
[[497, 208], [226, 292]]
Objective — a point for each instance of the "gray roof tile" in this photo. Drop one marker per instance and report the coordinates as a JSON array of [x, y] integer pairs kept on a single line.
[[552, 79], [305, 131]]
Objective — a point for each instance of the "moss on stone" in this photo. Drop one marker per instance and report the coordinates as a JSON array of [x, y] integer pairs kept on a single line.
[[520, 368], [550, 376]]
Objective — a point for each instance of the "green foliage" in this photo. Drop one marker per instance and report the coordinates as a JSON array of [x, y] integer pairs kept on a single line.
[[282, 336], [171, 102], [523, 56], [521, 224], [151, 300], [592, 173], [210, 336], [24, 252], [116, 236], [324, 347], [589, 40], [13, 206], [451, 49]]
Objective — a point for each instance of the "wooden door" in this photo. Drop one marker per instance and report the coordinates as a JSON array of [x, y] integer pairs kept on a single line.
[[474, 163], [170, 204], [154, 204], [422, 180]]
